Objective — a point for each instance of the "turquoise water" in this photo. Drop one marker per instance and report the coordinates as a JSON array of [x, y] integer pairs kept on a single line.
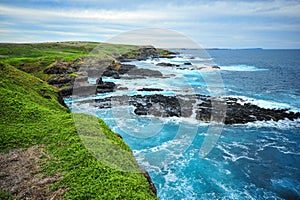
[[258, 160]]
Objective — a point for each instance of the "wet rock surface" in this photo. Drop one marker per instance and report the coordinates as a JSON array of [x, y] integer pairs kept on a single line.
[[167, 64], [150, 89], [103, 87], [227, 110]]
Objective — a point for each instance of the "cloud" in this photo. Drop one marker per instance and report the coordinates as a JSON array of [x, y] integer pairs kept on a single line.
[[159, 13], [102, 15], [214, 23], [160, 38]]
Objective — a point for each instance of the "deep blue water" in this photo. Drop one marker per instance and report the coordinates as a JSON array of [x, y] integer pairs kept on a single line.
[[280, 79], [259, 160]]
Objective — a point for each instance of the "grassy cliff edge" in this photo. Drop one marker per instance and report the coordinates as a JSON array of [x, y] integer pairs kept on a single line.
[[32, 120]]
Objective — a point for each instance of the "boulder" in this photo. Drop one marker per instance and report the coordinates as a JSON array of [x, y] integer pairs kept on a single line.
[[166, 64], [150, 89], [103, 87]]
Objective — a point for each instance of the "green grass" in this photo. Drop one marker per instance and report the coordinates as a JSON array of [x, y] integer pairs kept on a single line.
[[5, 196], [34, 58], [31, 115]]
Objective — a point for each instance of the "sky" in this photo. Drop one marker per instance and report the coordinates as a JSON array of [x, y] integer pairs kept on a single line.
[[211, 24]]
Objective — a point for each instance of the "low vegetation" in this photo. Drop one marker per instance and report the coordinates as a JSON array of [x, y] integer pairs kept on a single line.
[[34, 58], [32, 117]]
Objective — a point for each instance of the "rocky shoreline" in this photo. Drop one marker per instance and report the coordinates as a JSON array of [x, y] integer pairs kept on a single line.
[[230, 110], [197, 106], [73, 81]]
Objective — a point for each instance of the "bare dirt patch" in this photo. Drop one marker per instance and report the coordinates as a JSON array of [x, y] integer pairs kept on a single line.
[[21, 176]]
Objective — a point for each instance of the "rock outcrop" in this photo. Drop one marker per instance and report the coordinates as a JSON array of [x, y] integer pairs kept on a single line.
[[103, 87], [199, 106], [139, 54], [232, 112]]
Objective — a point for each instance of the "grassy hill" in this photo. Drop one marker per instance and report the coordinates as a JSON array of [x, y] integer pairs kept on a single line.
[[39, 134], [35, 57]]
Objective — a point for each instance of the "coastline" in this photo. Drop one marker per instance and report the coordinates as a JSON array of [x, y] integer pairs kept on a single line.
[[85, 75], [58, 165]]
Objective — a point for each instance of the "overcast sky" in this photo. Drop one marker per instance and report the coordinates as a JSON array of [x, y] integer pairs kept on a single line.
[[223, 24]]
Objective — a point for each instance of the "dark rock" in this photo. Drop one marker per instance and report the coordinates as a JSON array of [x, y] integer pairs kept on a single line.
[[58, 68], [119, 136], [122, 88], [215, 67], [60, 99], [103, 103], [61, 67], [111, 73], [60, 81], [126, 68], [99, 81], [226, 110], [144, 53], [150, 89], [167, 56], [117, 69], [144, 73], [103, 87], [66, 92], [166, 64], [187, 63], [140, 110], [147, 176], [140, 54], [237, 113], [157, 105]]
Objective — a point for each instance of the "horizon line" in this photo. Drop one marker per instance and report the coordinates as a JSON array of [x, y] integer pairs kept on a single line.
[[204, 48]]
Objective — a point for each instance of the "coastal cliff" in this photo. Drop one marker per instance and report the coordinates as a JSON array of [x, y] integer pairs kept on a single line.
[[39, 132], [42, 156]]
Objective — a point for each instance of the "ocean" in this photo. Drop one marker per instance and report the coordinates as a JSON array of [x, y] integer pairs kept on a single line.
[[257, 160]]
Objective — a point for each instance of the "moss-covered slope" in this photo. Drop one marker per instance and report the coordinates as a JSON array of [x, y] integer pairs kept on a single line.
[[30, 115]]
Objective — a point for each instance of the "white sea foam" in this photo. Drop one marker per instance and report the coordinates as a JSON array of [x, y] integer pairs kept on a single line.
[[264, 103], [202, 59], [281, 124], [231, 156], [241, 68], [241, 146]]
